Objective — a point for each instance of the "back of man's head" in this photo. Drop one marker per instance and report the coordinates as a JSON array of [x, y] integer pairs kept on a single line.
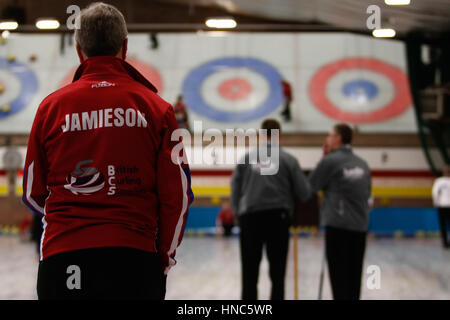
[[345, 132], [269, 125], [102, 30]]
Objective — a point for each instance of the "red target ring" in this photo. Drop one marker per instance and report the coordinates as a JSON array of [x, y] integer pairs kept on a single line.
[[150, 73], [399, 104], [235, 89]]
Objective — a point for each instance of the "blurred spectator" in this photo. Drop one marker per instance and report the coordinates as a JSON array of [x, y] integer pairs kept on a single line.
[[225, 218], [181, 115], [24, 227], [287, 94], [441, 200]]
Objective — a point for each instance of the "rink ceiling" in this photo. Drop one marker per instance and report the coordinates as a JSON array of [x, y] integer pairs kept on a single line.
[[326, 15]]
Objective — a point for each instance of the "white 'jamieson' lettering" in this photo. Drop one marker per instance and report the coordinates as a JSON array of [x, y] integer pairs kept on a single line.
[[117, 117]]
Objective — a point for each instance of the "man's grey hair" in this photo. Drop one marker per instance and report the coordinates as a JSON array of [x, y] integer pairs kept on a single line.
[[102, 30]]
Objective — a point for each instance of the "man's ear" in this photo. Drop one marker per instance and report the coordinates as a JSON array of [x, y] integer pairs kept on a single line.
[[80, 53], [124, 48]]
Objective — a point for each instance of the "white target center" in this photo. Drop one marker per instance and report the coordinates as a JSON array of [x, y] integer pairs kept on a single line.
[[359, 99]]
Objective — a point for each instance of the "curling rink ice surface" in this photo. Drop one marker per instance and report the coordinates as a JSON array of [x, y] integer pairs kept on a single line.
[[209, 268]]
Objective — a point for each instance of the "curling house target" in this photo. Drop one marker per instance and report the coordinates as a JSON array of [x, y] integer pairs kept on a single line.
[[360, 90], [18, 87], [233, 89]]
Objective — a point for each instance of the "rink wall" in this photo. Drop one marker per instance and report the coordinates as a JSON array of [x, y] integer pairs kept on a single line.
[[406, 221]]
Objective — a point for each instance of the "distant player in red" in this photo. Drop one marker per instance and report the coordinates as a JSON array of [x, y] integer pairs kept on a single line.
[[225, 218], [181, 113], [287, 94], [25, 226]]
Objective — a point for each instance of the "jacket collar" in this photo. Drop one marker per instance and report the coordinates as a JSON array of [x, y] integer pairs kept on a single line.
[[346, 148], [343, 148], [110, 65]]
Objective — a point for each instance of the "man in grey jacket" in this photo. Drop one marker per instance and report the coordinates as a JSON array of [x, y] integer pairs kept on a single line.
[[345, 180], [264, 205]]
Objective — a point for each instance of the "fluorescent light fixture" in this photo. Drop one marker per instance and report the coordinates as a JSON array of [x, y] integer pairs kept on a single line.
[[383, 33], [47, 24], [397, 2], [8, 25], [221, 23]]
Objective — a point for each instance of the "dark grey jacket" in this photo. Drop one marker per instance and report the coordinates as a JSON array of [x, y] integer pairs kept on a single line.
[[251, 191], [345, 180]]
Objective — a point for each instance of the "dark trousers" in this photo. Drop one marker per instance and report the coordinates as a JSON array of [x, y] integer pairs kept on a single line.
[[444, 218], [227, 229], [286, 113], [102, 273], [345, 255], [269, 229]]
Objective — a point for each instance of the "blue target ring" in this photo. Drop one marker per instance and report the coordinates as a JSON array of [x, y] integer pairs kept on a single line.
[[360, 89], [194, 100], [28, 82]]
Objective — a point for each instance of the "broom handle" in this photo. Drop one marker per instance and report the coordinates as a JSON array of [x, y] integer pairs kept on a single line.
[[295, 230], [322, 273]]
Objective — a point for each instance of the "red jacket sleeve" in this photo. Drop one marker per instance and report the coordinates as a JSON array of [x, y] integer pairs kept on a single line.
[[174, 193], [35, 190]]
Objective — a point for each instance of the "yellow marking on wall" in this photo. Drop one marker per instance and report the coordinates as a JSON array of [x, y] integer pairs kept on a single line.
[[379, 192], [402, 192], [211, 191], [4, 191], [19, 191]]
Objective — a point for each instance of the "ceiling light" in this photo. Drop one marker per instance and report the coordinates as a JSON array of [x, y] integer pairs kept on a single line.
[[383, 33], [8, 25], [397, 2], [47, 24], [222, 23]]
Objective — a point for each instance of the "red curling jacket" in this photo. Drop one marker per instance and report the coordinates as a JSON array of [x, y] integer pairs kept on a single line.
[[100, 166]]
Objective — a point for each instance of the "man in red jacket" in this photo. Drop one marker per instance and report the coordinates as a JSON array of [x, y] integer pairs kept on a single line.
[[100, 171], [287, 94]]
